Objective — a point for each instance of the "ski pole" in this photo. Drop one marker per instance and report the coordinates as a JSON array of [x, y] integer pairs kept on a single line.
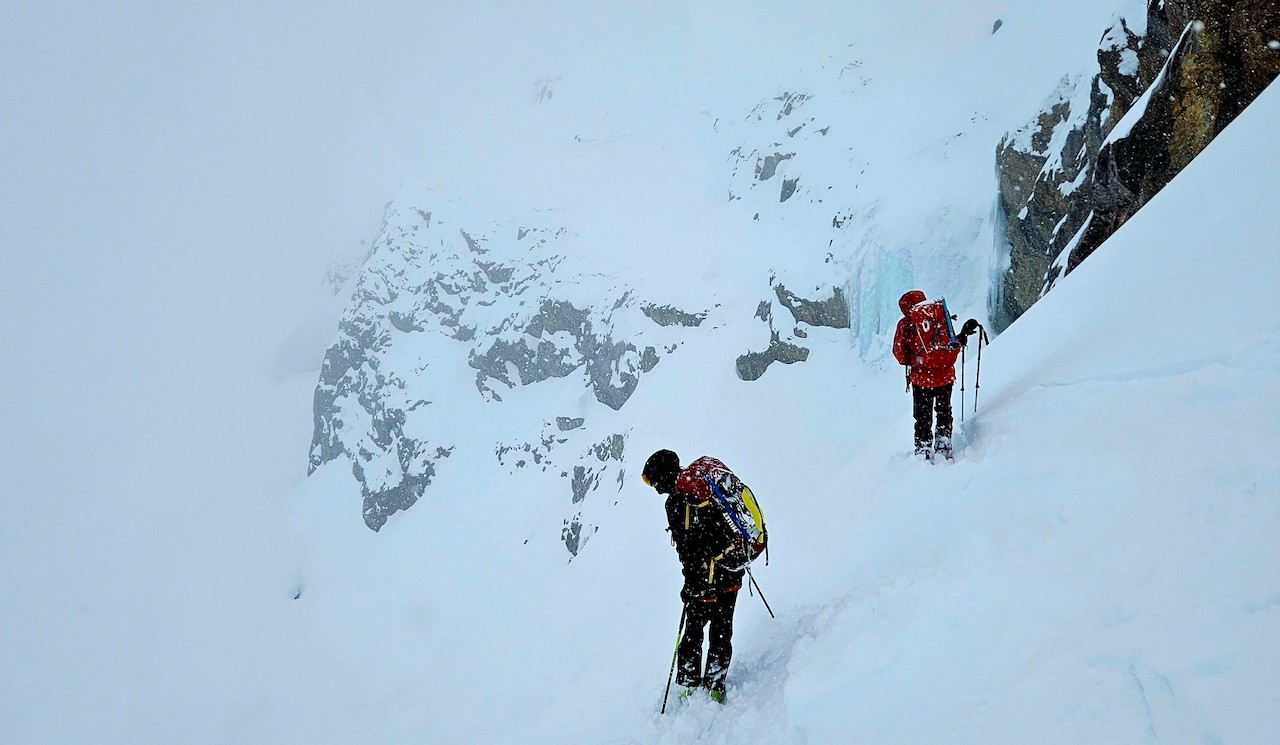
[[674, 655], [977, 381], [760, 592]]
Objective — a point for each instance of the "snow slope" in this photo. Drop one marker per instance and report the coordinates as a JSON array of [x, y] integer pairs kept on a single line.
[[1102, 561]]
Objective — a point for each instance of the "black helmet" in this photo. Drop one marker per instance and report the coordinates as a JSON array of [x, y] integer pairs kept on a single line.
[[660, 471]]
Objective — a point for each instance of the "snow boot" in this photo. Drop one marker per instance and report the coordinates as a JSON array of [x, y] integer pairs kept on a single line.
[[942, 447], [717, 695], [684, 694]]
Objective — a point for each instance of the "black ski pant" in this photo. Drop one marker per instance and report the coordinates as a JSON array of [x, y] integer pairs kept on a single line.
[[719, 616], [925, 402]]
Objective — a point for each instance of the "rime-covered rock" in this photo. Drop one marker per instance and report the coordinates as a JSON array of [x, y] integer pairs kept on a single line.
[[494, 295], [1169, 78]]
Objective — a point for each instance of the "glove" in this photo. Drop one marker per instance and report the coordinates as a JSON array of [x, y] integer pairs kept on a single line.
[[969, 327]]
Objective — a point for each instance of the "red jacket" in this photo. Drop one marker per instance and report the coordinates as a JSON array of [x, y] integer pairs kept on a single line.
[[924, 377]]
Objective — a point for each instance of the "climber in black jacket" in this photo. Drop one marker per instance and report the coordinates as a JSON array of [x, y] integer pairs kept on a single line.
[[700, 534]]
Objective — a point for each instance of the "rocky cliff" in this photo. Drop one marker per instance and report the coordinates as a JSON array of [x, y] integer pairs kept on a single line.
[[492, 296], [450, 312], [1169, 78]]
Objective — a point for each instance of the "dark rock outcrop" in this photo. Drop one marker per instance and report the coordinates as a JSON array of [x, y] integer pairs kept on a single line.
[[1219, 64], [768, 166], [788, 188], [1168, 82], [783, 127], [565, 423], [666, 315], [752, 365], [1041, 169], [832, 312], [608, 454]]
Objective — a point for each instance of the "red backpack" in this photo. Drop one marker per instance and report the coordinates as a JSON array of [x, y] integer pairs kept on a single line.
[[931, 336], [711, 481]]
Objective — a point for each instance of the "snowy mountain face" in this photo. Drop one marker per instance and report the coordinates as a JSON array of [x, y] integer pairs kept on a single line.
[[498, 301], [1169, 78], [844, 208], [491, 296]]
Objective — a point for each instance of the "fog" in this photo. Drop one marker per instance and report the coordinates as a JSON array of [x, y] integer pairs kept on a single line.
[[176, 180]]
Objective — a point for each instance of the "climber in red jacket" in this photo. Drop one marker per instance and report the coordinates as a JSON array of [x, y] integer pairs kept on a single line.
[[925, 342]]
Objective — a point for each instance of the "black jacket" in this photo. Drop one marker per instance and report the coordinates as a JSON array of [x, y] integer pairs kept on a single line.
[[704, 541]]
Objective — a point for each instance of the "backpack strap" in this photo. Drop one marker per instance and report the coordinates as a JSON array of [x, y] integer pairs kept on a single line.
[[695, 506], [920, 337], [711, 576]]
